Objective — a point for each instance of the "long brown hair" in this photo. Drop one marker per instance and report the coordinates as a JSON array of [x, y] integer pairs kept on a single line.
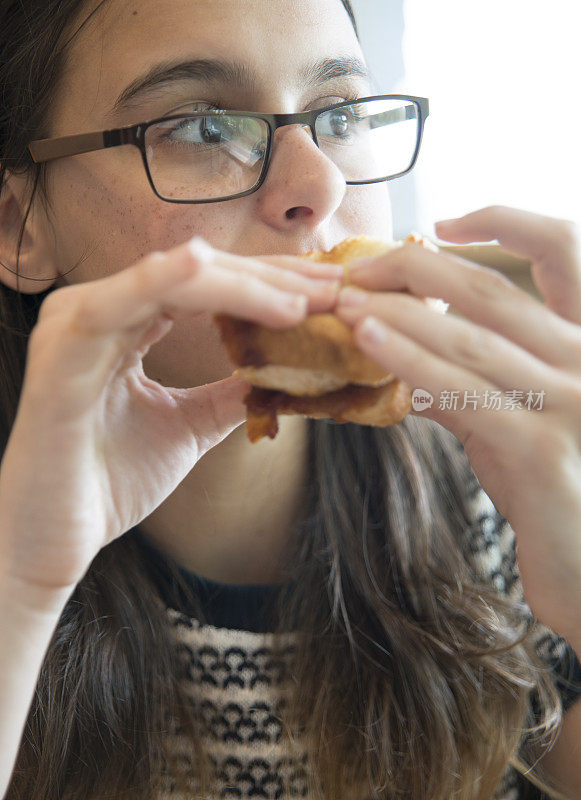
[[412, 677]]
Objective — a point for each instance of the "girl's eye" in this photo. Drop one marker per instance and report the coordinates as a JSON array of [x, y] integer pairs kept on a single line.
[[193, 130], [342, 123], [339, 122], [202, 130]]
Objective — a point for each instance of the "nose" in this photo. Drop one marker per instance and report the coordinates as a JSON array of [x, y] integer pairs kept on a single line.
[[303, 187]]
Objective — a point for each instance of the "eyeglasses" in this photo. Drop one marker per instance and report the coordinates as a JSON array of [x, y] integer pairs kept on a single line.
[[212, 156]]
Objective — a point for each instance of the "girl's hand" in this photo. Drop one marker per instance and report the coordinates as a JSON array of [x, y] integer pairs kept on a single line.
[[528, 461], [96, 445]]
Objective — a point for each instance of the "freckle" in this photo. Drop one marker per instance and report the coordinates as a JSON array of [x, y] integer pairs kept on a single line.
[[135, 13]]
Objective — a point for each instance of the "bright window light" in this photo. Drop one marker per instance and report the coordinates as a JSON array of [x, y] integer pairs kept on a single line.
[[503, 81]]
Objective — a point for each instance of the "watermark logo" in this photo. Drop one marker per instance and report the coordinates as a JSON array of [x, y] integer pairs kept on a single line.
[[421, 399], [454, 400]]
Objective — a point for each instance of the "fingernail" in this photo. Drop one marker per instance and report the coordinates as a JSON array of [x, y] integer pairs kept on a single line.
[[352, 297], [373, 331]]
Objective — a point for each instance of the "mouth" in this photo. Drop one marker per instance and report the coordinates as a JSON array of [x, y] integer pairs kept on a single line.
[[280, 249]]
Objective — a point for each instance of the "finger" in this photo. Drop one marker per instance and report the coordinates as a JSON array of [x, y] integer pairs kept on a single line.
[[554, 246], [213, 410], [480, 294], [522, 232], [418, 367], [478, 351], [305, 266], [187, 277], [281, 271], [84, 332]]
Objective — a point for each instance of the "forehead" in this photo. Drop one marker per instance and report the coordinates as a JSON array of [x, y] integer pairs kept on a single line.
[[123, 38]]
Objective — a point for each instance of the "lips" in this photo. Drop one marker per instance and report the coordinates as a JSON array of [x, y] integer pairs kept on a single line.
[[286, 248]]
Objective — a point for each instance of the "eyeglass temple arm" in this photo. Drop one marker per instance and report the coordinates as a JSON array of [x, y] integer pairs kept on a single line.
[[393, 115], [49, 149]]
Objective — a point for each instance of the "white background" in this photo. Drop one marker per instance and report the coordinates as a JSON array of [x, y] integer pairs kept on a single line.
[[504, 82]]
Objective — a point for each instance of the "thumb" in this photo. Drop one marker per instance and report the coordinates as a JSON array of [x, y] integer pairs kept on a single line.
[[214, 410]]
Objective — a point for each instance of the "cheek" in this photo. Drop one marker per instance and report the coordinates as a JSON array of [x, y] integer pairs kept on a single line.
[[105, 226], [106, 220], [191, 354]]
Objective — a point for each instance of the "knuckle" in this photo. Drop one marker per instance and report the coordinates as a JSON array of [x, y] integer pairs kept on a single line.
[[237, 283], [394, 262], [37, 336], [200, 250], [143, 279], [472, 347], [246, 283], [61, 306], [566, 337], [54, 303], [150, 278], [488, 284], [563, 239], [245, 280], [146, 276], [569, 235], [494, 213], [83, 316], [549, 445], [53, 315], [155, 258], [407, 249], [81, 312], [157, 267]]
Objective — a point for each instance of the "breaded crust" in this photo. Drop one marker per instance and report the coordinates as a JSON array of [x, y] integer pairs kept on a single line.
[[315, 369], [321, 342], [355, 247]]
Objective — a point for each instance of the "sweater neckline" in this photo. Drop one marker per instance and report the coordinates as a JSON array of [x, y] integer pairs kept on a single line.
[[247, 607]]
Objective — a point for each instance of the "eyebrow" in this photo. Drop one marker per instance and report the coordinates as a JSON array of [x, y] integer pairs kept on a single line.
[[231, 73]]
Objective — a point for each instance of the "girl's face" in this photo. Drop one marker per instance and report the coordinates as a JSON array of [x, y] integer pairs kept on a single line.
[[103, 214]]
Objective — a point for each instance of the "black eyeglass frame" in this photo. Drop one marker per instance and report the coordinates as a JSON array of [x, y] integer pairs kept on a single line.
[[43, 150]]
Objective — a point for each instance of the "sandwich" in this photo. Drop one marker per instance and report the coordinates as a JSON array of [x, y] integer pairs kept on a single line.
[[315, 369]]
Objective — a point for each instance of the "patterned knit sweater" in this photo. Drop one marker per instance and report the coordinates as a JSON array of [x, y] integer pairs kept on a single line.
[[238, 681]]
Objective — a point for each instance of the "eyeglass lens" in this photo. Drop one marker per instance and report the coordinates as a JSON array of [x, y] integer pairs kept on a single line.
[[370, 140], [202, 158]]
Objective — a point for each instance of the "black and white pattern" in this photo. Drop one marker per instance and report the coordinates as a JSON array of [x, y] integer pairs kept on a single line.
[[239, 684]]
